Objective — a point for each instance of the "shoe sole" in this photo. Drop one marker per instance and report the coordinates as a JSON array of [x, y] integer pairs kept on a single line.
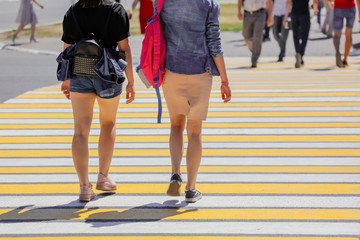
[[86, 197], [105, 188], [193, 200], [174, 189], [339, 61]]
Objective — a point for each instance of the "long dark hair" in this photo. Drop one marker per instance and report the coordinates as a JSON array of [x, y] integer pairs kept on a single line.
[[91, 3]]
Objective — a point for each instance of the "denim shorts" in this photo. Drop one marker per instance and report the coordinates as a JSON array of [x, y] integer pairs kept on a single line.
[[339, 14], [83, 84]]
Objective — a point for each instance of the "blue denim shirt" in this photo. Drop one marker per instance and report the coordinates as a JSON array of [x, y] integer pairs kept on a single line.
[[192, 34]]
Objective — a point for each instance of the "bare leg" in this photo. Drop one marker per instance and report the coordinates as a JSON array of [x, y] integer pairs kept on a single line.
[[194, 151], [176, 142], [82, 104], [108, 110], [33, 28], [348, 42], [19, 29], [336, 41]]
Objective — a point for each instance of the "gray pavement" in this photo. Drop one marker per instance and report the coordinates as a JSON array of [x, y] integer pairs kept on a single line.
[[23, 72]]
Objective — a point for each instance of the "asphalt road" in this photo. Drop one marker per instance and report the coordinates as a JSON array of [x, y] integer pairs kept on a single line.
[[20, 72]]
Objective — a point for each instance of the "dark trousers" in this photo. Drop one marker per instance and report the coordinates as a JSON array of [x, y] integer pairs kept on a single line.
[[280, 34], [301, 28], [253, 27], [266, 28]]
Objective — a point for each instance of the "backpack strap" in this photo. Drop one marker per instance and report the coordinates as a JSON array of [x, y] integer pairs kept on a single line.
[[156, 58], [160, 4]]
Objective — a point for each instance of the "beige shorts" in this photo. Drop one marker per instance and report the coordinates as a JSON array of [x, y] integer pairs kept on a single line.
[[187, 94]]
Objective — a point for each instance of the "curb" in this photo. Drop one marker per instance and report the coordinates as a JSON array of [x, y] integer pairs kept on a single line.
[[27, 50], [4, 46]]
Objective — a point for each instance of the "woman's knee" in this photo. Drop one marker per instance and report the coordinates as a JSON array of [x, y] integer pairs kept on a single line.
[[107, 127], [194, 128], [178, 123]]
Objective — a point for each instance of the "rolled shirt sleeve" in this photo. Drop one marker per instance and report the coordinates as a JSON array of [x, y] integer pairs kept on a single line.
[[213, 39]]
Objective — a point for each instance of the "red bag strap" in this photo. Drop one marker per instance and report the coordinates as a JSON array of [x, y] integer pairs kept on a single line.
[[157, 43], [160, 4]]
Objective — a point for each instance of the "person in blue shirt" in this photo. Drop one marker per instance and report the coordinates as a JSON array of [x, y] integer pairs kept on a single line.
[[193, 56]]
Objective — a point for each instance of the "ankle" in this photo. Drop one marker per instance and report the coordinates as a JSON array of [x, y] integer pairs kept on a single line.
[[188, 188], [85, 184], [105, 175]]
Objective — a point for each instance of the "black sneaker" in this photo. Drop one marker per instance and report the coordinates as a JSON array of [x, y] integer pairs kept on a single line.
[[174, 186], [192, 196]]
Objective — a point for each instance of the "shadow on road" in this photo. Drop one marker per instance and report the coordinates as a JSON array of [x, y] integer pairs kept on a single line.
[[97, 217], [151, 212]]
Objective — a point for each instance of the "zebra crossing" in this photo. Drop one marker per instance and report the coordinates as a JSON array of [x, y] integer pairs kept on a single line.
[[281, 161]]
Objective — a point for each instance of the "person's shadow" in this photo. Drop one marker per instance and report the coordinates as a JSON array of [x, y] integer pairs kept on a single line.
[[151, 212], [69, 211], [96, 216]]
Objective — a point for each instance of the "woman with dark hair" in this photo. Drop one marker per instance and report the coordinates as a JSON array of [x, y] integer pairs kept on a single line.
[[92, 16], [193, 56]]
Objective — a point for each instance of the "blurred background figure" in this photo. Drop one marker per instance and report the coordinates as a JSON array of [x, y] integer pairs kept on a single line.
[[318, 15], [266, 36], [343, 9], [254, 21], [300, 19], [26, 15], [145, 12], [280, 31], [328, 25]]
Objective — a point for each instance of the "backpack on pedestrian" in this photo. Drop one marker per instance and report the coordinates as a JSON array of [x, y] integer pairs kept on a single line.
[[89, 58], [151, 69]]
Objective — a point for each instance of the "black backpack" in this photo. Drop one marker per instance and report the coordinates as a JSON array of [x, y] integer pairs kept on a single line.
[[88, 51]]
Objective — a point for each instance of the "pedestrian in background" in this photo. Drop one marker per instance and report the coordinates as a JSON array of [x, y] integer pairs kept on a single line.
[[266, 36], [320, 4], [145, 12], [26, 15], [300, 19], [328, 25], [280, 30], [254, 20], [91, 16], [343, 9], [193, 56]]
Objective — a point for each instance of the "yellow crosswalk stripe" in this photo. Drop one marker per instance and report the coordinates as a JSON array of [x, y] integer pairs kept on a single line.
[[158, 188], [205, 125], [229, 104], [206, 152], [203, 169], [206, 138], [243, 88], [182, 214], [280, 94], [210, 114], [177, 238]]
